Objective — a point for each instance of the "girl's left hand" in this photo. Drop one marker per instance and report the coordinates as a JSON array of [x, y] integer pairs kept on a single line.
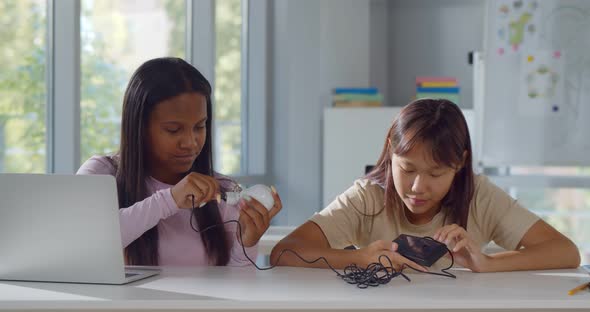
[[466, 252], [255, 218]]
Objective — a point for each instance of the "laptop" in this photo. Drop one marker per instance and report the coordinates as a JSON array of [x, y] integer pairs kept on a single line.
[[62, 228]]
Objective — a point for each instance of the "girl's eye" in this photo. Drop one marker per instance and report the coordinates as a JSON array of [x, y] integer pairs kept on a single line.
[[406, 170], [173, 131]]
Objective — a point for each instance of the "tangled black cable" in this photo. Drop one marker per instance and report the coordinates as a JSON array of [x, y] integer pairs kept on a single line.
[[375, 274]]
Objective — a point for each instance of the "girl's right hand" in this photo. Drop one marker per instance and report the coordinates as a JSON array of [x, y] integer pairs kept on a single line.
[[203, 187], [376, 249]]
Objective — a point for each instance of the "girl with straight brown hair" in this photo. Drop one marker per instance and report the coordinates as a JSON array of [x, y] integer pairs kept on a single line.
[[423, 184]]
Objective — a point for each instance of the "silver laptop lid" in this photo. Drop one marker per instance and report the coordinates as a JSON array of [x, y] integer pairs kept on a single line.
[[62, 228]]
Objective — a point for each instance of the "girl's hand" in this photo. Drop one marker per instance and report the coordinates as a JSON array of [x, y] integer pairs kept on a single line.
[[373, 253], [255, 218], [466, 252], [203, 187]]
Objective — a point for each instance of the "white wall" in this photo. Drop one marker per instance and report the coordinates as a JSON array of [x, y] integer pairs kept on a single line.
[[317, 45], [433, 38], [380, 48]]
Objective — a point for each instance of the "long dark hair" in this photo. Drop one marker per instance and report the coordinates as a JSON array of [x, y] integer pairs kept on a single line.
[[153, 82], [439, 124]]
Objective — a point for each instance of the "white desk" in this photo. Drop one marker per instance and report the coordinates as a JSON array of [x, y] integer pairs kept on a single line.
[[223, 288]]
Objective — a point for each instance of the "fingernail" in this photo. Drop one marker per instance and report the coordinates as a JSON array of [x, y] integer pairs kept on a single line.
[[273, 189], [247, 198], [202, 204]]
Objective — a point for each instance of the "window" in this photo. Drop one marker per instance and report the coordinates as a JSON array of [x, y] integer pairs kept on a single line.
[[560, 203], [23, 89], [116, 37], [228, 87]]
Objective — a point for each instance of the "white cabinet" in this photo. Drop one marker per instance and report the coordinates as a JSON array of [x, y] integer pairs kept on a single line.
[[353, 138]]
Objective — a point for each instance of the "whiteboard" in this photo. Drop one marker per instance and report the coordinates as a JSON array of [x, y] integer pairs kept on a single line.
[[536, 88]]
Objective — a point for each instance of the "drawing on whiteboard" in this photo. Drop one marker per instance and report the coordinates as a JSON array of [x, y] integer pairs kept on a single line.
[[572, 19], [537, 99], [542, 83], [516, 24]]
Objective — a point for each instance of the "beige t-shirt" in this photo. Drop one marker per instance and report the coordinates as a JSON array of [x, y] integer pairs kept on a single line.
[[493, 216]]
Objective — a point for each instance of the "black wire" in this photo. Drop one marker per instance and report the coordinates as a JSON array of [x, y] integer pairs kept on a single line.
[[375, 274]]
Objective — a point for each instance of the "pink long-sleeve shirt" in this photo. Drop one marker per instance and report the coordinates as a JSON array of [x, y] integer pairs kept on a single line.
[[178, 244]]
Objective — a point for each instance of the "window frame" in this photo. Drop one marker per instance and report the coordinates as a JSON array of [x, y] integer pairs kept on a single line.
[[508, 180], [63, 97]]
